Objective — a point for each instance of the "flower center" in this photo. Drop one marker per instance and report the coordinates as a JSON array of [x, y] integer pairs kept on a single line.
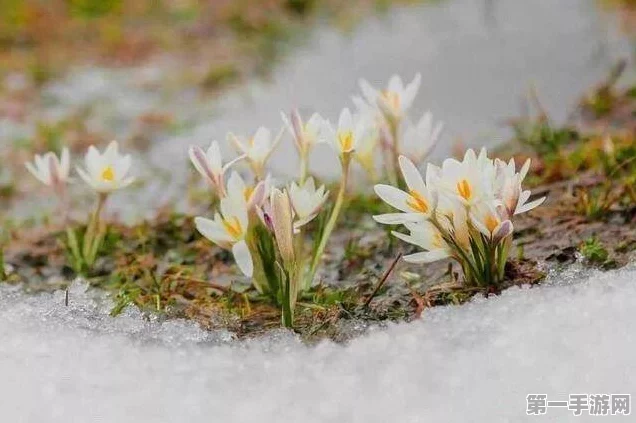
[[108, 174], [233, 227], [417, 202], [346, 140], [491, 222], [463, 188], [247, 193]]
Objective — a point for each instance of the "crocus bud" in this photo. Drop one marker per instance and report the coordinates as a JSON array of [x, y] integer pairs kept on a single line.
[[283, 226]]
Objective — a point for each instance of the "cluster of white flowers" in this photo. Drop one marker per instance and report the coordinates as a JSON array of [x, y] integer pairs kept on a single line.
[[246, 208], [103, 172], [255, 214], [245, 205], [387, 111], [463, 210]]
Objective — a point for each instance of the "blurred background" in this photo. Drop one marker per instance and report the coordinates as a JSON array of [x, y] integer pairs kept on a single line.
[[160, 75]]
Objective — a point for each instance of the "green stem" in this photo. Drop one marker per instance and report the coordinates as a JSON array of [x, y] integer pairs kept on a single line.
[[3, 272], [287, 306], [331, 223], [93, 227], [393, 128], [460, 251]]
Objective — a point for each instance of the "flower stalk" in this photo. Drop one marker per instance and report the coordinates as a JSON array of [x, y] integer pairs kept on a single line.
[[331, 223]]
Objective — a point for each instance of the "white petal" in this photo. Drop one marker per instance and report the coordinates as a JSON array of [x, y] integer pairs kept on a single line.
[[345, 121], [122, 166], [235, 185], [412, 176], [393, 196], [411, 91], [502, 230], [397, 218], [426, 256], [395, 84], [39, 175], [243, 258], [93, 161], [112, 151], [214, 158], [370, 93], [212, 230], [262, 137], [198, 159], [85, 176], [479, 225], [407, 238], [529, 206]]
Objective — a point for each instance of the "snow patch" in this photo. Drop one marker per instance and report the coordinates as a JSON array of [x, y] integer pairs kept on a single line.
[[576, 334]]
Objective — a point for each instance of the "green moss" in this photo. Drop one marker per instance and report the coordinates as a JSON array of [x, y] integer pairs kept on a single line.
[[594, 251]]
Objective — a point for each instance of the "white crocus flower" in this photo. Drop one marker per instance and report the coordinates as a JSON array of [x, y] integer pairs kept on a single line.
[[470, 180], [508, 187], [366, 149], [396, 99], [488, 220], [345, 138], [257, 149], [210, 164], [252, 194], [228, 230], [418, 140], [306, 201], [417, 204], [51, 170], [426, 236], [108, 171], [304, 134]]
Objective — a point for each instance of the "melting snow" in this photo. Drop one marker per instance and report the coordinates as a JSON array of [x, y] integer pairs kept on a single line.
[[472, 363]]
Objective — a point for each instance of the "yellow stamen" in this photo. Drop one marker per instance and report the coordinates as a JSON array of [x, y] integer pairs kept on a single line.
[[346, 140], [233, 227], [491, 222], [247, 193], [417, 202], [108, 174], [463, 188]]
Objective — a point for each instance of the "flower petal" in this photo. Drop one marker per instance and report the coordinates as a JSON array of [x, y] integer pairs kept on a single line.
[[393, 196], [426, 256], [243, 258], [397, 218]]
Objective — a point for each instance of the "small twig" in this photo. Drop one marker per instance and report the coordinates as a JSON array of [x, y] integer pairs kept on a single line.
[[66, 297], [383, 280], [420, 302]]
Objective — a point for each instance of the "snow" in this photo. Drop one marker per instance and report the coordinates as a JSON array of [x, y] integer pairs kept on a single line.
[[477, 362]]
